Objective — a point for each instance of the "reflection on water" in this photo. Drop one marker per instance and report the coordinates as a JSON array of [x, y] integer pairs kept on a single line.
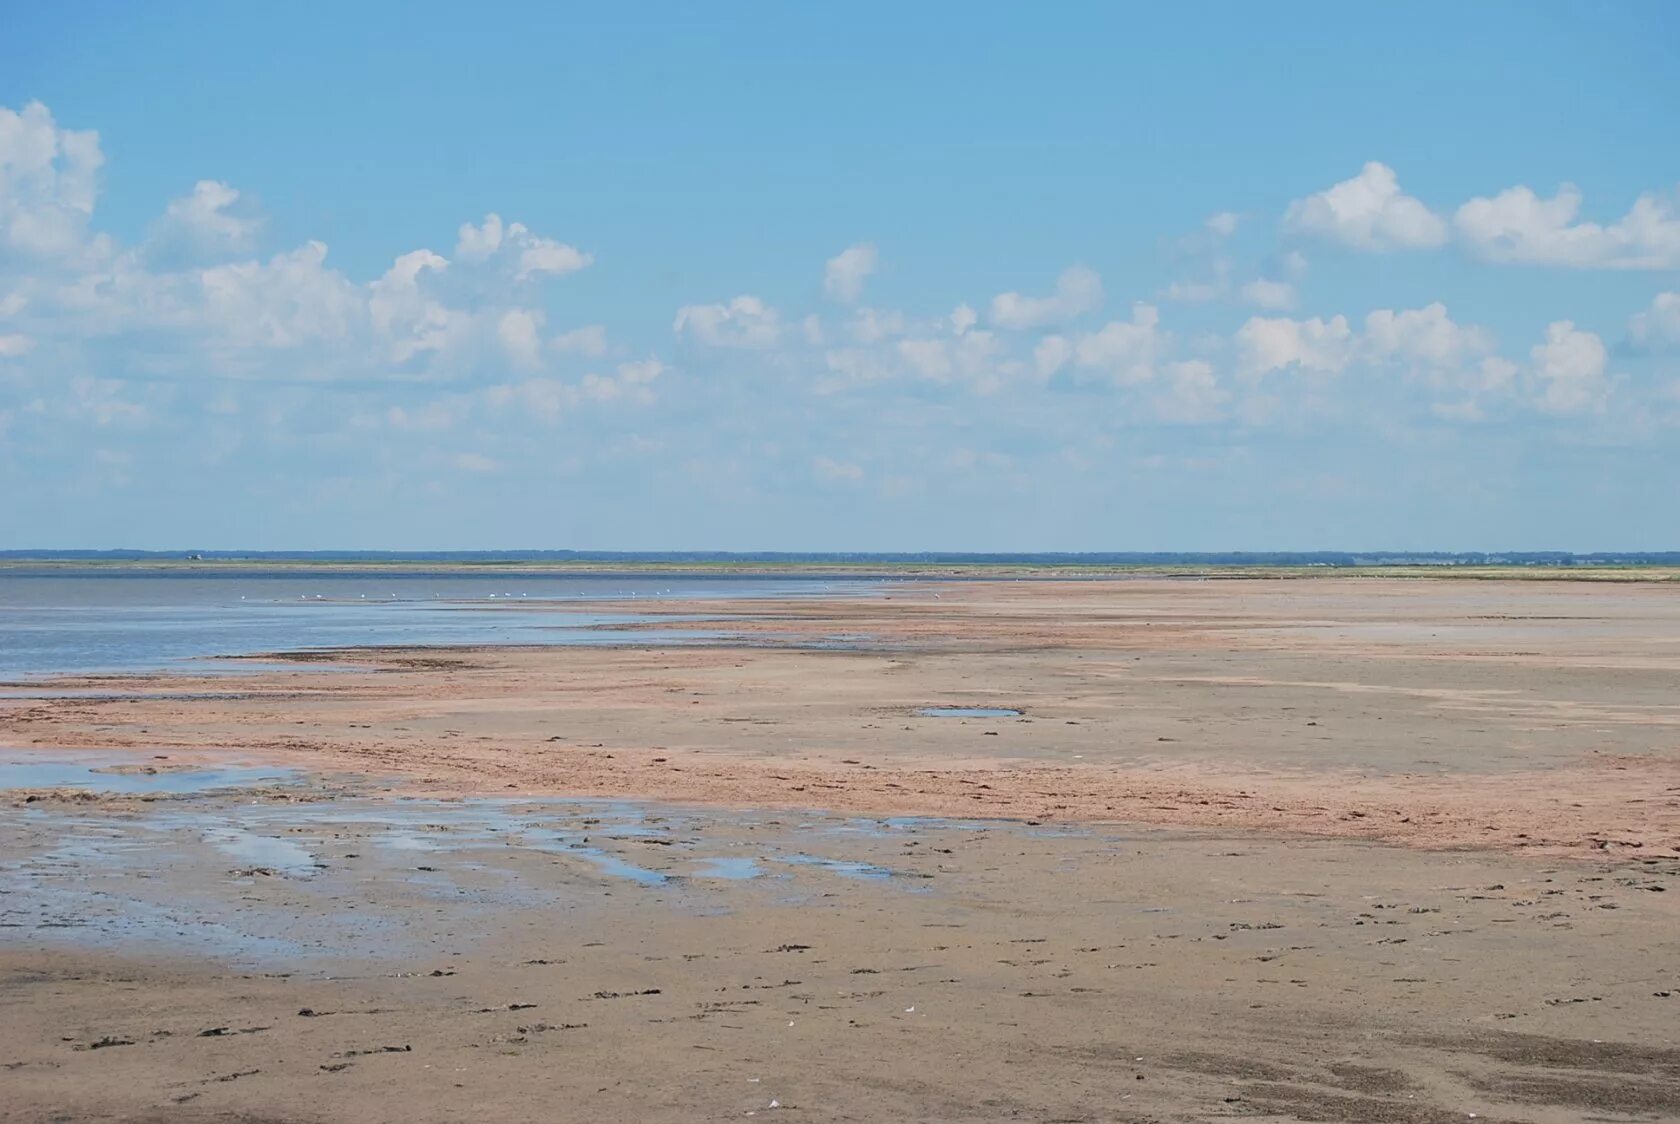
[[733, 869], [70, 622], [254, 881], [265, 852], [104, 776], [843, 867], [968, 712]]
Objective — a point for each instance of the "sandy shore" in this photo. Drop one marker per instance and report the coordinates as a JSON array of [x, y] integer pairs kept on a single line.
[[1508, 714], [1273, 850]]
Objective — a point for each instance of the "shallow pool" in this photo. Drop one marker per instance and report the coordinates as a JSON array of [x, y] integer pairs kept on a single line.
[[968, 712]]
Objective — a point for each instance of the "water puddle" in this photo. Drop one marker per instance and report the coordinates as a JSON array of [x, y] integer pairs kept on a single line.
[[280, 856], [737, 870], [89, 694], [136, 780], [234, 666], [843, 867], [357, 877], [616, 867], [402, 840], [968, 712]]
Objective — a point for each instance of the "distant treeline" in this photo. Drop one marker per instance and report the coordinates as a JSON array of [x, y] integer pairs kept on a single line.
[[918, 558]]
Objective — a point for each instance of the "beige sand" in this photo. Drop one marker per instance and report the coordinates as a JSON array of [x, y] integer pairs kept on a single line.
[[1415, 859], [1476, 713]]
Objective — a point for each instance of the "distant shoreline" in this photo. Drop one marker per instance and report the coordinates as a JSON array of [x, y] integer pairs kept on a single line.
[[1659, 568]]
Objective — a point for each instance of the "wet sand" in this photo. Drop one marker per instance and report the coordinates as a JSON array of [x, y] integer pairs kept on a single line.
[[1298, 850], [1520, 715]]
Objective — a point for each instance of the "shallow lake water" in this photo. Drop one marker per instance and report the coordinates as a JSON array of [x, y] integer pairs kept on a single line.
[[59, 621]]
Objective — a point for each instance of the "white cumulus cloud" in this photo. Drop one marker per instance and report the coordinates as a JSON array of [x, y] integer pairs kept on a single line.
[[211, 223], [1368, 212], [1517, 226], [1194, 292], [193, 301], [1223, 224], [540, 257], [971, 356], [527, 255], [475, 243], [290, 300], [1051, 354], [1658, 327], [1274, 296], [1078, 290], [590, 340], [546, 398], [632, 381], [846, 271], [48, 183], [1426, 336], [406, 316], [1123, 350], [1191, 393], [1273, 343], [872, 325], [745, 322], [520, 333], [1569, 367], [1441, 353], [830, 469]]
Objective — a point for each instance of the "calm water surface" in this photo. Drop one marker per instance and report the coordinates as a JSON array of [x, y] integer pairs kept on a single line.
[[68, 622]]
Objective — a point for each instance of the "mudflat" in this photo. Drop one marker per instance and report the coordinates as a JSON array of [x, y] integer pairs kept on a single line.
[[1309, 849]]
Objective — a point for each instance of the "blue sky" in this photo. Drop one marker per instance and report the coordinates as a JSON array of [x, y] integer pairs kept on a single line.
[[849, 277]]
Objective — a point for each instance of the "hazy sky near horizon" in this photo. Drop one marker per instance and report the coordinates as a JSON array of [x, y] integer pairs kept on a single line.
[[840, 277]]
